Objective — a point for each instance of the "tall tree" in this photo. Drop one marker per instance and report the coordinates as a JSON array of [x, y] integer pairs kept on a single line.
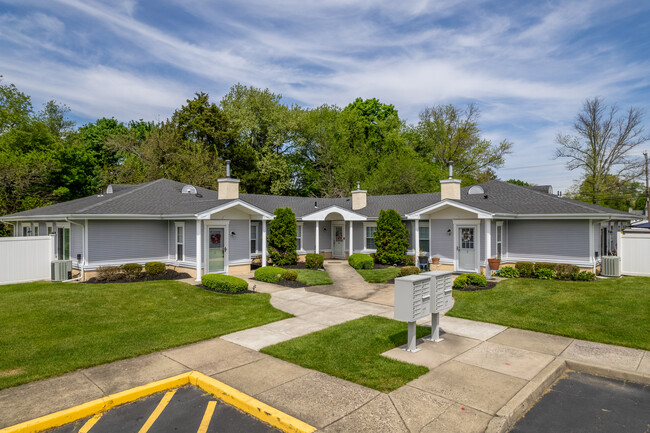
[[15, 107], [449, 134], [55, 116], [602, 144]]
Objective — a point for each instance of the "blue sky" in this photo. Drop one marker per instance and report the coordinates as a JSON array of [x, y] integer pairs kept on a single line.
[[528, 65]]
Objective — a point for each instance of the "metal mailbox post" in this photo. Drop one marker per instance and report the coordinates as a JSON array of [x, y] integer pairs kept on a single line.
[[412, 302], [441, 300]]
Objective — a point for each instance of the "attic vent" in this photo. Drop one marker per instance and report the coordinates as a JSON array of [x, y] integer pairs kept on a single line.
[[109, 189], [476, 190], [188, 189]]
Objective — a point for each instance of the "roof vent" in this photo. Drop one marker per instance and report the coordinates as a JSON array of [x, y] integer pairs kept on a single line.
[[476, 189], [189, 189], [109, 189]]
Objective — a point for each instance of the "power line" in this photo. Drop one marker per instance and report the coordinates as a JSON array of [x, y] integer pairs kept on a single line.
[[532, 166]]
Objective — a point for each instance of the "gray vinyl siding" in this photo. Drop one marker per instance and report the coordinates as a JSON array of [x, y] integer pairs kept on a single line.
[[190, 241], [551, 240], [127, 240], [359, 236], [309, 236], [325, 241], [76, 243], [442, 245], [239, 244]]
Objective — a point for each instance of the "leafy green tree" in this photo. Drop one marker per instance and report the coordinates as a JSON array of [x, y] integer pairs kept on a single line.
[[518, 182], [618, 193], [450, 134], [391, 238], [282, 237], [15, 107], [55, 116]]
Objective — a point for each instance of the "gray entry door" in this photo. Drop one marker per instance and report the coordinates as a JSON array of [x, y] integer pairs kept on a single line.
[[338, 247], [466, 252], [216, 250]]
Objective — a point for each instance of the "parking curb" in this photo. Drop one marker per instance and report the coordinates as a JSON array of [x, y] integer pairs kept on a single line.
[[244, 402]]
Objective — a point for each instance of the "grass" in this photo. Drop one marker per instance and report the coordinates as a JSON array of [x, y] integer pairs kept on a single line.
[[613, 311], [52, 328], [352, 351], [313, 277], [379, 275]]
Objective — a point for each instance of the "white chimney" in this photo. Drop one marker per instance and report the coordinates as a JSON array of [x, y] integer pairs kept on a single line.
[[228, 187], [450, 188], [359, 199]]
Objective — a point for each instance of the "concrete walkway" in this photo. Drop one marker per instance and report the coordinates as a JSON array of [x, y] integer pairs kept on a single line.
[[482, 375]]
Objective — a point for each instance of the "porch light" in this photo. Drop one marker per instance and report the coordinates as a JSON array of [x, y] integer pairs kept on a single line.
[[233, 234], [448, 232]]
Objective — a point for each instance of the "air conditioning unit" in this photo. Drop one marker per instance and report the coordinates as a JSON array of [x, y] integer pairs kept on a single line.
[[61, 270], [610, 266]]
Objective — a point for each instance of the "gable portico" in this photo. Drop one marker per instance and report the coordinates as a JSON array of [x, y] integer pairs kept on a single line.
[[341, 220]]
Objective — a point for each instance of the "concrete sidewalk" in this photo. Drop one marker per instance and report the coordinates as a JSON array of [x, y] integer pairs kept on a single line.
[[480, 374]]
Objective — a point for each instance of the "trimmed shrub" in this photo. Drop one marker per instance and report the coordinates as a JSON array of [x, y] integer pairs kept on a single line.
[[545, 274], [132, 271], [391, 238], [584, 276], [282, 237], [224, 283], [154, 268], [460, 282], [410, 270], [290, 275], [476, 280], [109, 273], [269, 274], [408, 261], [314, 261], [566, 272], [507, 272], [545, 265], [525, 269], [361, 261]]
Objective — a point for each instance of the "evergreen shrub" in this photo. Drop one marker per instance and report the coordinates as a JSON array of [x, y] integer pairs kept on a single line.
[[282, 237], [154, 268], [314, 261], [391, 238], [361, 261], [409, 270], [269, 274], [525, 269], [224, 283], [507, 272], [545, 274], [132, 271], [290, 275]]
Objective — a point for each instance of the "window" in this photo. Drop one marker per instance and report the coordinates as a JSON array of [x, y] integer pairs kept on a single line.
[[50, 229], [63, 243], [299, 237], [603, 242], [254, 228], [369, 237], [499, 239], [35, 230], [26, 230], [180, 241], [424, 237]]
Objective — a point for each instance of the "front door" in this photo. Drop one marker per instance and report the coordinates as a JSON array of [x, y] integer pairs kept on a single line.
[[466, 252], [338, 249], [216, 250]]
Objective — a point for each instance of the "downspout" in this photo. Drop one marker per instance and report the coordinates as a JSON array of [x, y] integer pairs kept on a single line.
[[81, 265]]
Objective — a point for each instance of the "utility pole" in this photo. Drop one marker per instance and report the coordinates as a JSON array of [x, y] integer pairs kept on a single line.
[[647, 190]]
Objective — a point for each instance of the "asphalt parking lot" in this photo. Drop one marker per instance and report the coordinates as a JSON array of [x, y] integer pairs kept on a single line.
[[186, 409], [581, 402]]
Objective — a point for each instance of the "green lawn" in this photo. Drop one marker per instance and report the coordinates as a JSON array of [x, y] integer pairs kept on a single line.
[[352, 351], [379, 275], [613, 311], [52, 328], [312, 277]]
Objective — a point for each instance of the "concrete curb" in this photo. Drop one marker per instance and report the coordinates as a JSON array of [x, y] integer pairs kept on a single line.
[[509, 414], [246, 403], [612, 373]]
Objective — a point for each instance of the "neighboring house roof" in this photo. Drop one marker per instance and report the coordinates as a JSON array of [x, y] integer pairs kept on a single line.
[[163, 197]]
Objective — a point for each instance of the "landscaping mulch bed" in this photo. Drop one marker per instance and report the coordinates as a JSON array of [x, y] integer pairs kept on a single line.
[[224, 292], [286, 283], [170, 274], [490, 285]]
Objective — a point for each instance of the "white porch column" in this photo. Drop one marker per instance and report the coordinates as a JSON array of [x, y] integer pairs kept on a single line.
[[416, 247], [263, 242], [317, 238], [351, 238], [488, 247], [198, 250]]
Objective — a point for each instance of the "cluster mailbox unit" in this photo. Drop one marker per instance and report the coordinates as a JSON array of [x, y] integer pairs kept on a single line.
[[417, 296]]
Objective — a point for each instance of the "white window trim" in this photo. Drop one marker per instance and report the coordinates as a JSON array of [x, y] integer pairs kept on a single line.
[[367, 250], [225, 225], [49, 228], [63, 226], [424, 226], [36, 228], [476, 224], [497, 241], [299, 248], [176, 243], [257, 251]]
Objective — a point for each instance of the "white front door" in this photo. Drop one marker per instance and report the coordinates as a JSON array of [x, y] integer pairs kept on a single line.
[[216, 257], [338, 240], [466, 249]]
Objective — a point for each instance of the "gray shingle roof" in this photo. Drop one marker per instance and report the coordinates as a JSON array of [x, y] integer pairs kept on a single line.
[[163, 197]]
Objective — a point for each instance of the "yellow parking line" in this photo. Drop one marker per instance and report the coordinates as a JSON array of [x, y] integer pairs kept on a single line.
[[156, 413], [90, 423], [203, 428]]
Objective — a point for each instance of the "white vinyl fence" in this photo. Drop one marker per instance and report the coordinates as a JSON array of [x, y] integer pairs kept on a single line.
[[634, 249], [25, 258]]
